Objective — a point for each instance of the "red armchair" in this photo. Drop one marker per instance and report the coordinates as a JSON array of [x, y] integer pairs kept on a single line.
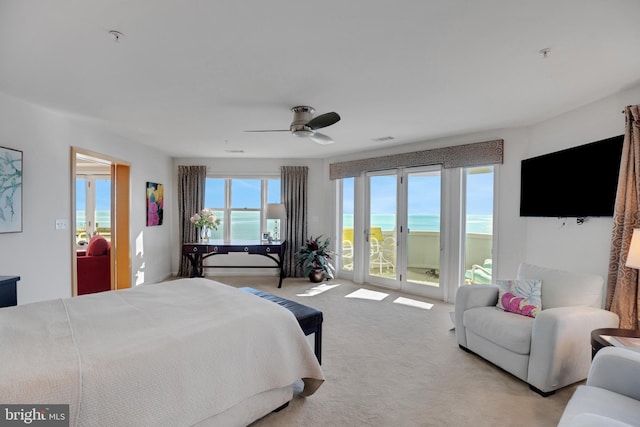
[[94, 267]]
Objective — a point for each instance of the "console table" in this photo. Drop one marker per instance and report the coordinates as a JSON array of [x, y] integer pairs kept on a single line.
[[197, 252], [8, 293]]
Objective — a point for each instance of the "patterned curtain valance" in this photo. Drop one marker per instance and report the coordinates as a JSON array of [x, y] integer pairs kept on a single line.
[[476, 154]]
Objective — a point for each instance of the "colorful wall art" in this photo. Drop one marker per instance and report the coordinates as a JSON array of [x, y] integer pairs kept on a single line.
[[155, 203]]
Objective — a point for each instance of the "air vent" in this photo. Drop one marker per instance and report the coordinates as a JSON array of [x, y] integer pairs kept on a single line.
[[234, 151], [383, 138]]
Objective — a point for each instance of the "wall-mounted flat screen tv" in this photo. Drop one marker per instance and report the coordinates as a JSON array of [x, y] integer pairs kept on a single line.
[[576, 182]]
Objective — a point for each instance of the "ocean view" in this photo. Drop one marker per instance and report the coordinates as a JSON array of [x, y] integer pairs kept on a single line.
[[246, 225], [103, 218], [479, 224]]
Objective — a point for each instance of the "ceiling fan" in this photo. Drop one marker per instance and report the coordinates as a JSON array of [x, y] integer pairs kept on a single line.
[[304, 125]]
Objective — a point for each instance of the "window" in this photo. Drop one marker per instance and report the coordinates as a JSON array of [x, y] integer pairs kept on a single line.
[[241, 205], [93, 207], [348, 204], [479, 225]]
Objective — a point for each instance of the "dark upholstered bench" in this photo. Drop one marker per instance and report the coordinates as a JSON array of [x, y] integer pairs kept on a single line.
[[309, 319]]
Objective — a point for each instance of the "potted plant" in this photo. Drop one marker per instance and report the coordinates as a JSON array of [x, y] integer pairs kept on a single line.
[[315, 258]]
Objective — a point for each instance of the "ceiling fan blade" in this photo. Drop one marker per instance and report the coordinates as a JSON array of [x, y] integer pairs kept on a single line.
[[321, 138], [323, 120], [269, 130]]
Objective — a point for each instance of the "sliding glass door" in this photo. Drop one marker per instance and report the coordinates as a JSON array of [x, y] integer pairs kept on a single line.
[[403, 230], [425, 230], [381, 229], [423, 202]]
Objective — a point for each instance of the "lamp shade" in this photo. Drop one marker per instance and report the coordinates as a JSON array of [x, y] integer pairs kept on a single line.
[[275, 211], [633, 257]]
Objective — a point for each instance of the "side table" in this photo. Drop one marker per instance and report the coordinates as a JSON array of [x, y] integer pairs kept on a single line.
[[598, 341], [8, 293]]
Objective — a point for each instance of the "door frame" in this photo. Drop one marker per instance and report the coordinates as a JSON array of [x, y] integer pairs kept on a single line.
[[120, 209], [405, 284], [401, 282]]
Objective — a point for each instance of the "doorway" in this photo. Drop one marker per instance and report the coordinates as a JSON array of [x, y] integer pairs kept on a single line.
[[403, 229], [100, 206]]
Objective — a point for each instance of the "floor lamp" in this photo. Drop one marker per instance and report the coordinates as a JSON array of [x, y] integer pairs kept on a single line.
[[276, 211]]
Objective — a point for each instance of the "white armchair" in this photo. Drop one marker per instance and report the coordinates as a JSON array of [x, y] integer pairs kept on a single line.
[[549, 351], [611, 396]]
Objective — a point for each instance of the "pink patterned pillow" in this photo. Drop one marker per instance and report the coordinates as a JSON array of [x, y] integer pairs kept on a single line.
[[520, 296]]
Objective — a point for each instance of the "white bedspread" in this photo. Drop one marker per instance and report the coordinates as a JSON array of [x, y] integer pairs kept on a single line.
[[172, 353]]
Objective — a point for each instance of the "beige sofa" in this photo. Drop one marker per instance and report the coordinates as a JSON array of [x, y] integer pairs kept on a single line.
[[611, 396], [549, 351]]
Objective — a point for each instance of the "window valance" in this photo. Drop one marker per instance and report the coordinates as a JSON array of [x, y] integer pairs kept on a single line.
[[476, 154]]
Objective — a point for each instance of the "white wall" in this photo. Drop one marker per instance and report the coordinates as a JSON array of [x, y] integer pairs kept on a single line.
[[41, 255]]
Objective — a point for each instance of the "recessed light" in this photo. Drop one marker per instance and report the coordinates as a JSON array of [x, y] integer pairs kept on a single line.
[[234, 151]]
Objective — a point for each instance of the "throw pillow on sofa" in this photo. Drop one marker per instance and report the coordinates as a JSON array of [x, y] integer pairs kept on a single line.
[[520, 296]]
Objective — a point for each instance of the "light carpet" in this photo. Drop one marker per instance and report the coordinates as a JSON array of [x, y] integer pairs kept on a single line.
[[388, 364]]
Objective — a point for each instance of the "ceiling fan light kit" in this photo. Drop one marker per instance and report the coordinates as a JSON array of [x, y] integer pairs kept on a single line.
[[304, 125]]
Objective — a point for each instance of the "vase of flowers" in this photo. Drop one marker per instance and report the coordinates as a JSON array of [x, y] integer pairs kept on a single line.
[[204, 221], [315, 258]]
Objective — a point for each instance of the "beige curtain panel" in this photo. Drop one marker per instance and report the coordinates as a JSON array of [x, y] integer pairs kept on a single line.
[[191, 182], [622, 283], [294, 197]]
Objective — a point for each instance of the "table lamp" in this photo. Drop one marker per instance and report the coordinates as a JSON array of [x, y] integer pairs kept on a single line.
[[633, 257], [276, 211]]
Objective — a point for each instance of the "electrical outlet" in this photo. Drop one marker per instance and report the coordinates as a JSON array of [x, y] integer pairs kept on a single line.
[[61, 224]]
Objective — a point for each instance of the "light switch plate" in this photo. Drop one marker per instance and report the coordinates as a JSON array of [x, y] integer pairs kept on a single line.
[[61, 224]]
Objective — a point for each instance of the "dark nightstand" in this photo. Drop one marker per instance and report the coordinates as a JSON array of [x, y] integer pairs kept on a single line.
[[8, 293]]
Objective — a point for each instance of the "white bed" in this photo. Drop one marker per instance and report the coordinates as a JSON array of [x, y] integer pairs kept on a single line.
[[179, 353]]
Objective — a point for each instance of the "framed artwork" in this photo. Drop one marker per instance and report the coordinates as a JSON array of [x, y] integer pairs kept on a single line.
[[155, 203], [10, 190]]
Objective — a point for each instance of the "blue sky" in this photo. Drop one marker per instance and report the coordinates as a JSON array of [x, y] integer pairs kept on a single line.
[[424, 194], [245, 193], [103, 194]]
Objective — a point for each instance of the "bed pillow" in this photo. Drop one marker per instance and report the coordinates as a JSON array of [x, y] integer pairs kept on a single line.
[[520, 296], [98, 246]]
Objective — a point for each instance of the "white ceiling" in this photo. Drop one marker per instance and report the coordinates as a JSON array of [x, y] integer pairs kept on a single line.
[[189, 77]]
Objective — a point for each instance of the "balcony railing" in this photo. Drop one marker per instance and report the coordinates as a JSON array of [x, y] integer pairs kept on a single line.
[[424, 253]]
